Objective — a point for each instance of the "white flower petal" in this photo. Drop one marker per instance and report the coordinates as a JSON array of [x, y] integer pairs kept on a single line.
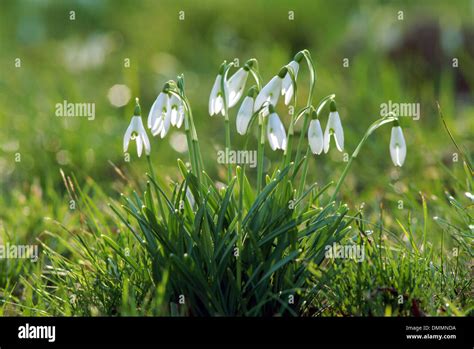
[[152, 115], [156, 129], [166, 124], [174, 116], [276, 132], [334, 127], [235, 86], [179, 122], [212, 98], [287, 81], [283, 143], [142, 136], [269, 93], [327, 139], [244, 115], [174, 107], [398, 149], [139, 142], [315, 137], [338, 132], [287, 87], [219, 105], [288, 95], [146, 143], [127, 136], [272, 140], [156, 109]]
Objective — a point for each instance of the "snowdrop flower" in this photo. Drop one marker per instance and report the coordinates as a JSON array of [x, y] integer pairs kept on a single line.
[[160, 115], [469, 195], [334, 128], [271, 91], [287, 88], [177, 111], [315, 134], [159, 106], [136, 132], [246, 111], [236, 85], [398, 148], [216, 101], [275, 131]]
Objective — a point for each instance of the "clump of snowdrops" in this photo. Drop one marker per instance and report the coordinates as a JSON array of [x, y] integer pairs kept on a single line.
[[244, 250]]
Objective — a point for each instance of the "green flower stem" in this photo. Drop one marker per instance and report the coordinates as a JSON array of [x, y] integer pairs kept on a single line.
[[289, 143], [227, 143], [191, 137], [370, 130], [312, 71], [196, 147], [291, 129], [289, 139], [256, 75], [261, 134], [240, 239], [309, 102], [226, 116], [190, 142], [300, 141], [260, 150]]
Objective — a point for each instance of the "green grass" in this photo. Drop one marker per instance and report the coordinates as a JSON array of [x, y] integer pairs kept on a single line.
[[130, 263], [189, 248]]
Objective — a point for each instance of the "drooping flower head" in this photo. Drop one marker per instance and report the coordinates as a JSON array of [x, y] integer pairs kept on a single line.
[[275, 130], [271, 91], [334, 128], [398, 148], [159, 118], [136, 132], [287, 87], [216, 100], [245, 112], [236, 83], [315, 134], [176, 111]]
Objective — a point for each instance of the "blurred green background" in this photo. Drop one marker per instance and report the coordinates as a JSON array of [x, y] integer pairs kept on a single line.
[[81, 61]]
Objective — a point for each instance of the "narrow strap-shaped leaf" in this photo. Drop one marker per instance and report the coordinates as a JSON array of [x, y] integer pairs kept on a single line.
[[224, 205]]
